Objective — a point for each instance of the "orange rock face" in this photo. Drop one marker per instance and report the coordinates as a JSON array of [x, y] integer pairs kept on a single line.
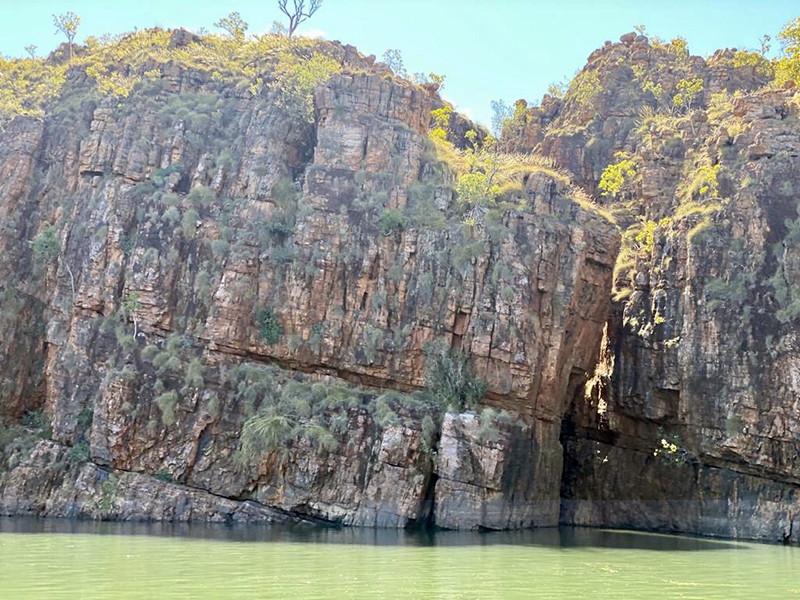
[[179, 231]]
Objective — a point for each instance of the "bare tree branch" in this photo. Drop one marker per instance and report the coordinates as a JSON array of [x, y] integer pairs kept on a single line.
[[71, 280], [297, 13]]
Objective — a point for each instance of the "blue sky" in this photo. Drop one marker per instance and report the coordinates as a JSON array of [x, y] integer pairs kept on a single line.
[[487, 49]]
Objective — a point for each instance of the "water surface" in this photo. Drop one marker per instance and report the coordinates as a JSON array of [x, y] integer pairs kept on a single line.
[[64, 559]]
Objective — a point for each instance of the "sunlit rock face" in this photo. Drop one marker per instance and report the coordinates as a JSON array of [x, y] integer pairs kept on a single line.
[[192, 222], [702, 348]]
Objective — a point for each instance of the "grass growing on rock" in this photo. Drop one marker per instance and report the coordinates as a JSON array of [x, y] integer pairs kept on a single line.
[[116, 66], [485, 178], [289, 411]]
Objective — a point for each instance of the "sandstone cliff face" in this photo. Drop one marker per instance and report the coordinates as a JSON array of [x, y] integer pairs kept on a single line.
[[702, 344], [182, 261], [192, 217]]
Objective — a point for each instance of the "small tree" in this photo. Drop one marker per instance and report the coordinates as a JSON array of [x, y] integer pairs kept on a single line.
[[31, 50], [787, 67], [616, 175], [67, 23], [688, 90], [441, 119], [297, 12], [557, 89], [766, 43], [501, 112], [234, 25], [394, 59], [277, 28], [584, 88], [269, 327], [46, 245], [130, 306], [431, 81]]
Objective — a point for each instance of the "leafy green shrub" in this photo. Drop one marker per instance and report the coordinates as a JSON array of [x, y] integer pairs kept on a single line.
[[269, 328], [171, 216], [201, 197], [160, 176], [422, 210], [27, 85], [189, 224], [194, 375], [39, 422], [584, 88], [79, 453], [168, 359], [615, 175], [466, 252], [391, 220], [729, 293], [167, 402], [296, 77], [220, 248], [385, 416], [787, 67], [85, 419], [670, 450], [646, 237], [430, 433], [45, 245], [476, 189], [441, 118]]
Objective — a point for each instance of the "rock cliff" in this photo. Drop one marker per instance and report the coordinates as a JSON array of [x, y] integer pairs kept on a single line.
[[691, 423], [222, 302], [182, 258]]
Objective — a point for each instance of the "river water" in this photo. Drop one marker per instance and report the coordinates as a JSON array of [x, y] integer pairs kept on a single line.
[[54, 559]]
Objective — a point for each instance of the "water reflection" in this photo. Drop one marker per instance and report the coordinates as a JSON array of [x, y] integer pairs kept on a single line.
[[553, 537]]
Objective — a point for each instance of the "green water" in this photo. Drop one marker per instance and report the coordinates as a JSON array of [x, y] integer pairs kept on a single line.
[[62, 559]]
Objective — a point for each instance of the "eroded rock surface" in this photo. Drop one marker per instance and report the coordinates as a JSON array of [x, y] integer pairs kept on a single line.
[[213, 254], [211, 250], [702, 344]]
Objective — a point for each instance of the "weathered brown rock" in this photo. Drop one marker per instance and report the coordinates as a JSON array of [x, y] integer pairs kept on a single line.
[[191, 216], [703, 349], [501, 483], [43, 485], [209, 215]]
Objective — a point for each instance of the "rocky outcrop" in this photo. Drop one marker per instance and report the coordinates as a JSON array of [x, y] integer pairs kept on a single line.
[[505, 482], [691, 423], [195, 263], [44, 485], [212, 253]]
